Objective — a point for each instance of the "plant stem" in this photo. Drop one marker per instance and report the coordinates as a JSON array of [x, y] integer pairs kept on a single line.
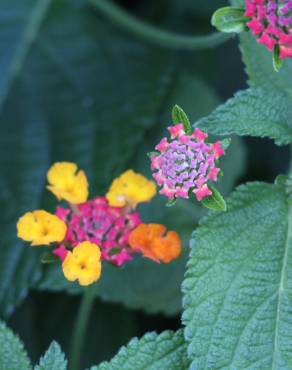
[[153, 34], [79, 332]]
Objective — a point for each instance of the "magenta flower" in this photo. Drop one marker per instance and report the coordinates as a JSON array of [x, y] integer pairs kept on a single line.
[[185, 164], [97, 222], [271, 22]]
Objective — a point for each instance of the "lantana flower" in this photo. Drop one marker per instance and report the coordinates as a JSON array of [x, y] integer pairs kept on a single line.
[[41, 228], [87, 232], [83, 263], [271, 22], [186, 163], [66, 182], [130, 188], [155, 243]]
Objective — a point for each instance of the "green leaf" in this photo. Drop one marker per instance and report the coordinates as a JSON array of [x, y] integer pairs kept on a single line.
[[215, 202], [53, 359], [12, 353], [229, 19], [179, 116], [277, 61], [152, 351], [254, 112], [237, 290], [225, 143]]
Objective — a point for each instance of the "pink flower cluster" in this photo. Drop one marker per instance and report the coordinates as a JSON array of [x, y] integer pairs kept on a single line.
[[97, 222], [185, 164], [271, 21]]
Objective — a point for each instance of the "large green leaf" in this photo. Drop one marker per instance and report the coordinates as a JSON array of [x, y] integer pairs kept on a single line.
[[53, 359], [153, 352], [12, 353], [255, 112], [238, 285]]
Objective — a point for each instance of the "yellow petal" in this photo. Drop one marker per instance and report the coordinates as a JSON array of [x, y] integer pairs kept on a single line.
[[68, 184]]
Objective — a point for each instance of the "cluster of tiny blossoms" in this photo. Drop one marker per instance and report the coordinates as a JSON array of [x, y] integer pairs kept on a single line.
[[271, 22], [185, 163], [88, 231]]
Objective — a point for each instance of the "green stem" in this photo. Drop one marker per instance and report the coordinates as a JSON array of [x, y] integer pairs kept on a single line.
[[153, 34], [80, 328]]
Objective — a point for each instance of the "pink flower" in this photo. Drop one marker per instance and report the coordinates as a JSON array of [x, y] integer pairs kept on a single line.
[[186, 163], [271, 20], [202, 192], [176, 130], [97, 222]]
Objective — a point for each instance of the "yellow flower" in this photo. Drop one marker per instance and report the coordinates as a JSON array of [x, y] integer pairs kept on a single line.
[[41, 228], [66, 183], [130, 188], [83, 263]]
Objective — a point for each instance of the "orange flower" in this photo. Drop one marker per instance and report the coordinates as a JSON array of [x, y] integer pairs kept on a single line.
[[154, 242]]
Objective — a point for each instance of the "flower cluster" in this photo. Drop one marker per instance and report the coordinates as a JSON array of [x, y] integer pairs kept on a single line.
[[87, 232], [271, 22], [185, 164], [97, 222]]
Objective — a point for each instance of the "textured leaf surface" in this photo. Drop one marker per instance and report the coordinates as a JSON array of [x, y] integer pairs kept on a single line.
[[12, 353], [255, 112], [153, 352], [238, 285], [53, 359]]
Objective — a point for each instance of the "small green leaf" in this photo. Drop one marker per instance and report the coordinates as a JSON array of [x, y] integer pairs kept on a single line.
[[225, 143], [215, 202], [277, 61], [179, 116], [171, 202], [229, 19], [49, 257]]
